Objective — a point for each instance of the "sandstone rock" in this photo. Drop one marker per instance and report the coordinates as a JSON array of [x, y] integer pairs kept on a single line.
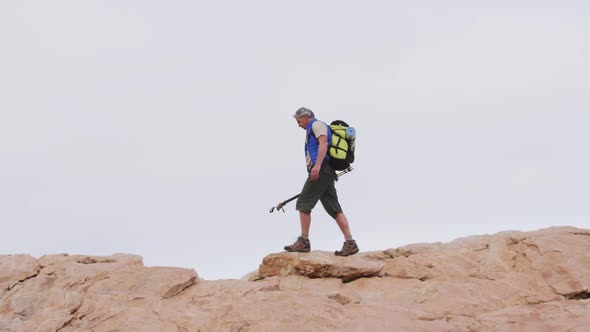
[[84, 292], [15, 269], [510, 281], [319, 264]]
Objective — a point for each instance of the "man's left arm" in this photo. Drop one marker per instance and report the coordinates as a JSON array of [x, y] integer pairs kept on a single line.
[[322, 150]]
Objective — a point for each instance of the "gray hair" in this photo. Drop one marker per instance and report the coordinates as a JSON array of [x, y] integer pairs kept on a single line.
[[304, 112]]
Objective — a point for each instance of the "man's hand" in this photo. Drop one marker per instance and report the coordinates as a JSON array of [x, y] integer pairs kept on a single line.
[[315, 172]]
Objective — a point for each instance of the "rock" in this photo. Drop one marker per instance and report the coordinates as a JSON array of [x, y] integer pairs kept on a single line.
[[345, 297], [319, 264], [84, 292], [510, 281], [15, 269]]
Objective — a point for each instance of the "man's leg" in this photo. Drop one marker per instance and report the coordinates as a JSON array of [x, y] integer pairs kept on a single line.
[[305, 219], [342, 222], [349, 247], [302, 244], [310, 194], [332, 206], [330, 202]]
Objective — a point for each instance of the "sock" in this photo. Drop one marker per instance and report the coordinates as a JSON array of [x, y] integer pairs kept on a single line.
[[348, 237], [305, 236]]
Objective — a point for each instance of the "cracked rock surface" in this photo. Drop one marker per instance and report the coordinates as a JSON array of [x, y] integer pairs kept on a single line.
[[510, 281]]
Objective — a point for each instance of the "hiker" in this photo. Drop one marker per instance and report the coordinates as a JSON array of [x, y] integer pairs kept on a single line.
[[319, 185]]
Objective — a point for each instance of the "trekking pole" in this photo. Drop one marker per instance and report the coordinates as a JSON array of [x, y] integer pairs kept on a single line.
[[282, 204]]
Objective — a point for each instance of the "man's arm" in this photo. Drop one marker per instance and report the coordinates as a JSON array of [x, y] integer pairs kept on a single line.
[[322, 150]]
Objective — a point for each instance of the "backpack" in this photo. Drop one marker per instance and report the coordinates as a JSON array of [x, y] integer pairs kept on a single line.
[[341, 151]]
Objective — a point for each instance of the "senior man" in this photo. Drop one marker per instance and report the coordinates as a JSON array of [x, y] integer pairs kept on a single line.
[[319, 185]]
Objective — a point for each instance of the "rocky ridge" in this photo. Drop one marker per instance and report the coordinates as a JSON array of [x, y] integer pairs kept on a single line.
[[510, 281]]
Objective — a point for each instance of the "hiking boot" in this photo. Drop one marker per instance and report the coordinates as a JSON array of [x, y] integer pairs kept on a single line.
[[301, 245], [348, 248]]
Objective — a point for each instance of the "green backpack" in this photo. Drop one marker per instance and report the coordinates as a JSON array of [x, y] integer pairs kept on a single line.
[[341, 151]]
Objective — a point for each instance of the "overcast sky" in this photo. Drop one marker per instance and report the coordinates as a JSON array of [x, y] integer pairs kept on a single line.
[[165, 129]]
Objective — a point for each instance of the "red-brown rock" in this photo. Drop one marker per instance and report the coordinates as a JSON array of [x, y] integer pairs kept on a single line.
[[511, 281]]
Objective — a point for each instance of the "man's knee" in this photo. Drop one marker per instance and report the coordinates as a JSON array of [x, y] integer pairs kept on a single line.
[[334, 213], [332, 207]]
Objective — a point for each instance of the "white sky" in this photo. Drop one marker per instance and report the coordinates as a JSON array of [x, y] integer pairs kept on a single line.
[[164, 128]]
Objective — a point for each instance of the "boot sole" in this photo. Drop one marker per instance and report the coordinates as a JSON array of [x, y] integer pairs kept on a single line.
[[340, 253], [289, 250]]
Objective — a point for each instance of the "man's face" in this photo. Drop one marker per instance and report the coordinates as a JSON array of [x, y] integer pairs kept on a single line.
[[302, 121]]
